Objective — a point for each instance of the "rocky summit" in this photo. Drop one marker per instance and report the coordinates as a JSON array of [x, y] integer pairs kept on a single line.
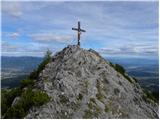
[[82, 84]]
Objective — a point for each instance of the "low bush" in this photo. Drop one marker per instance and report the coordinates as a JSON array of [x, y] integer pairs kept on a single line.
[[93, 110], [16, 111], [119, 68], [40, 98], [27, 83], [33, 75], [106, 108], [149, 95], [7, 97], [29, 98], [41, 66]]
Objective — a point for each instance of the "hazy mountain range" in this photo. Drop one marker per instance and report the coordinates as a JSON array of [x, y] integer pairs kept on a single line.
[[15, 69]]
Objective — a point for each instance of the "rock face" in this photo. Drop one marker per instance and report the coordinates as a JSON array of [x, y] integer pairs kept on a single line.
[[82, 84]]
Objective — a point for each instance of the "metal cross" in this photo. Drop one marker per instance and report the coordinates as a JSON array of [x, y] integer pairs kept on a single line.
[[79, 30]]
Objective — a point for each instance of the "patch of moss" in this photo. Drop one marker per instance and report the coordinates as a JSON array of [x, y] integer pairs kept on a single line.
[[40, 98], [88, 114], [86, 82], [90, 105], [46, 81], [93, 110], [92, 100], [106, 108], [99, 95]]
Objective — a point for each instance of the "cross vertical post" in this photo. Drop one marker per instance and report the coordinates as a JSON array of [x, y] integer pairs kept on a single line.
[[79, 31]]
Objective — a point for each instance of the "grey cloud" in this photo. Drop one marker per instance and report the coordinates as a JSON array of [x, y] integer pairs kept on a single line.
[[6, 47], [30, 49], [49, 37], [12, 35], [131, 49], [12, 8]]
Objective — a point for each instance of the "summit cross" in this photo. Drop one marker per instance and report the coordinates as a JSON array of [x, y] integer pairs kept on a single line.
[[79, 30]]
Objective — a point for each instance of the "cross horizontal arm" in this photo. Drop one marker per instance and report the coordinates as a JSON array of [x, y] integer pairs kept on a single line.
[[82, 30], [74, 29]]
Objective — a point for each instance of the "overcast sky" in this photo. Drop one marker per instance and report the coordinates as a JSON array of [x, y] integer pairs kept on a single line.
[[112, 28]]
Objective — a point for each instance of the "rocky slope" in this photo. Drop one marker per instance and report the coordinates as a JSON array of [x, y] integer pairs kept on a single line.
[[82, 84]]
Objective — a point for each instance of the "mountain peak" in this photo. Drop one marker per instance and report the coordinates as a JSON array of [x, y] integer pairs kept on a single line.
[[82, 84]]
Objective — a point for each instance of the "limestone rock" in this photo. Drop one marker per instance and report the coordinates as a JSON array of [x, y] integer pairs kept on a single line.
[[82, 84], [15, 101]]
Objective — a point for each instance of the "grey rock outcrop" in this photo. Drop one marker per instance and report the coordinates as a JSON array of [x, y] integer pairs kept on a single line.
[[82, 84], [15, 101]]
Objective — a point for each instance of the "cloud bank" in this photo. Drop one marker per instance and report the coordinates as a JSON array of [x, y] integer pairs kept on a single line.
[[128, 28]]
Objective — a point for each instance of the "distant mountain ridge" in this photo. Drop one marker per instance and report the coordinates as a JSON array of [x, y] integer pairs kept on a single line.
[[14, 69], [138, 67], [25, 64]]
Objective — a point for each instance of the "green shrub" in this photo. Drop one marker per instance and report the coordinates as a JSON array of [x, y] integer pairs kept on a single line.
[[99, 95], [33, 75], [93, 110], [7, 97], [119, 68], [88, 114], [148, 94], [28, 99], [17, 111], [92, 100], [27, 82], [46, 60], [86, 83], [135, 79], [156, 95], [40, 98], [128, 78], [106, 108], [111, 64]]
